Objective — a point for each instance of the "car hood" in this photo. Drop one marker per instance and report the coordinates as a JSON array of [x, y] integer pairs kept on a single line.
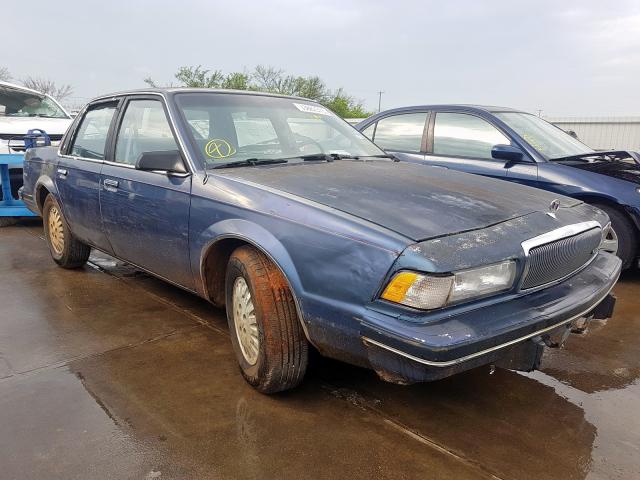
[[416, 201], [628, 170], [20, 125]]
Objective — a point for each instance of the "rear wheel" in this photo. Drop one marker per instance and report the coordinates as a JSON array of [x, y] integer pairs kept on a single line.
[[66, 250], [265, 330], [622, 241]]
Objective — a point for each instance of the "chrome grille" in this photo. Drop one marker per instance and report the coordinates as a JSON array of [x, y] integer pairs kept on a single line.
[[558, 259]]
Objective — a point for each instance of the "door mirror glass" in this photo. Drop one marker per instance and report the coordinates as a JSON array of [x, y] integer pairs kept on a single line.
[[508, 153], [168, 160]]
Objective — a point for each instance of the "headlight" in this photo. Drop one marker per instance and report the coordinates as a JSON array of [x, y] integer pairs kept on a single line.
[[427, 291]]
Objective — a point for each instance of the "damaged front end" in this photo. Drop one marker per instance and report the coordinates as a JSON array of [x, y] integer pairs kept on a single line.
[[547, 301]]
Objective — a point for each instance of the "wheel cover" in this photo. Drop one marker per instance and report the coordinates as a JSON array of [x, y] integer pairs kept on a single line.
[[56, 230], [611, 243], [244, 319]]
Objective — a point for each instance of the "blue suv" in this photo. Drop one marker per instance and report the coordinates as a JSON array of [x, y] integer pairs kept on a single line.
[[519, 147]]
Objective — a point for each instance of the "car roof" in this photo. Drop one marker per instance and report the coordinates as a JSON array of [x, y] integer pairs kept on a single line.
[[171, 90], [457, 106], [13, 86]]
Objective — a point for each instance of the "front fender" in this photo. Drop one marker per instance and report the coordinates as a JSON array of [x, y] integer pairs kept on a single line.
[[251, 233]]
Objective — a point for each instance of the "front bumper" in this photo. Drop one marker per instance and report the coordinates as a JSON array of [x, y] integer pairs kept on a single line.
[[418, 351]]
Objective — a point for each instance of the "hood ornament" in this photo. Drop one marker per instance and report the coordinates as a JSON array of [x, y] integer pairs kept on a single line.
[[553, 208]]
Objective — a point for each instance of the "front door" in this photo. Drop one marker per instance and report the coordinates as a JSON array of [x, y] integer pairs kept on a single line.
[[146, 214], [78, 174]]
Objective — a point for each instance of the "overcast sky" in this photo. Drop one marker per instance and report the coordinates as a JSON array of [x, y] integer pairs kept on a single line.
[[564, 57]]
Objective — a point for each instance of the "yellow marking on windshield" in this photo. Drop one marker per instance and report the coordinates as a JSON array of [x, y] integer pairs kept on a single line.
[[219, 148]]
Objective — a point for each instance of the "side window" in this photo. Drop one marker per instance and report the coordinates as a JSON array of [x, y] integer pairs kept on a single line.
[[401, 132], [368, 132], [144, 128], [91, 137], [464, 135]]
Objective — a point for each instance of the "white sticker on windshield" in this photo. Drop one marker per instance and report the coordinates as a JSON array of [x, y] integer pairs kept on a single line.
[[305, 107]]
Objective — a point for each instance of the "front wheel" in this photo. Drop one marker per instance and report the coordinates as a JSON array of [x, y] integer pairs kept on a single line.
[[622, 240], [266, 333], [66, 250]]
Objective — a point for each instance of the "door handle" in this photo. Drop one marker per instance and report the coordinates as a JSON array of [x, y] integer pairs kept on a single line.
[[62, 172], [110, 185]]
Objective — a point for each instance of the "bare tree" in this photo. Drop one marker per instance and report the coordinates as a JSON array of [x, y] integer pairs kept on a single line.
[[48, 86], [5, 75]]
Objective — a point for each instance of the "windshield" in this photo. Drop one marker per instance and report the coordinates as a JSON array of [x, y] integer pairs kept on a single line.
[[230, 128], [547, 139], [16, 103]]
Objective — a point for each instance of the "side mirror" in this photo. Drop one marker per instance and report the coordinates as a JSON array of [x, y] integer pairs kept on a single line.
[[508, 153], [169, 161]]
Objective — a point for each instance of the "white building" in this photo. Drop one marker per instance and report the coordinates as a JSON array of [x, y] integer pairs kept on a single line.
[[603, 133]]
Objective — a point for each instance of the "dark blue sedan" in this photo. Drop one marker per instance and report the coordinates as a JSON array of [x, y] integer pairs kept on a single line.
[[308, 234], [517, 146]]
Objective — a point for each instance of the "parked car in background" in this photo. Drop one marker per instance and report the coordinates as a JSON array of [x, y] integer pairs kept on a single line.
[[23, 109], [519, 147], [309, 234]]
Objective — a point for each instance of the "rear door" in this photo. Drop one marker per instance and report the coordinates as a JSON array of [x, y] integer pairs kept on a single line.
[[402, 134], [146, 213], [463, 141], [77, 175]]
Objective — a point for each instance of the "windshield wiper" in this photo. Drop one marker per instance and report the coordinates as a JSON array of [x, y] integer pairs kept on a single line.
[[330, 157], [251, 162], [316, 156], [383, 155]]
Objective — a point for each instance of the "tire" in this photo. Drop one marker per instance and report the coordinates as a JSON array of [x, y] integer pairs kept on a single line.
[[7, 221], [625, 232], [265, 331], [66, 250]]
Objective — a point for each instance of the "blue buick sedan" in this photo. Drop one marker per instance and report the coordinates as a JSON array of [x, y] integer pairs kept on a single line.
[[310, 235], [518, 147]]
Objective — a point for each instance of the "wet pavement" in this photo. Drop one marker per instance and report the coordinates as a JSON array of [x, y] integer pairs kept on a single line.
[[106, 372]]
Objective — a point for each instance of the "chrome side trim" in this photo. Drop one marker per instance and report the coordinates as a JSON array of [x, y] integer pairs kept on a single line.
[[552, 236], [471, 356], [84, 159]]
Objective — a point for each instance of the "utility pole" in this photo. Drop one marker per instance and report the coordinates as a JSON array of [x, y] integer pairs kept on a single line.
[[380, 100]]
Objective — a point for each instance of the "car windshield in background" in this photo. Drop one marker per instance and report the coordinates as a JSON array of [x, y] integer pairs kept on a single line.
[[547, 139], [231, 128], [15, 103]]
